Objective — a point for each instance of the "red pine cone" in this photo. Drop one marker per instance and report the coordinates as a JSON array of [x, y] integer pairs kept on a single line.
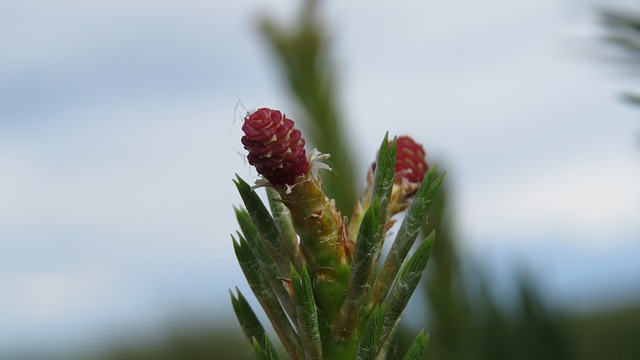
[[410, 160], [275, 146]]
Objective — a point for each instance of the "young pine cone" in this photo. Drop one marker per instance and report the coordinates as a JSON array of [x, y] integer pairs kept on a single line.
[[275, 146]]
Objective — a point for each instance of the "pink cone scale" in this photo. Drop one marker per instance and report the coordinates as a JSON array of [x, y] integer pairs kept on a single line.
[[410, 160], [276, 147]]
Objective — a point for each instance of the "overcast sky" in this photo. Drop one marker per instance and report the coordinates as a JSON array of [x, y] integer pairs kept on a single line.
[[120, 126]]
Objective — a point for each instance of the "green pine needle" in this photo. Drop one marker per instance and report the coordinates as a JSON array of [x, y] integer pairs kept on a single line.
[[266, 225], [389, 343], [418, 347], [262, 260], [371, 336], [307, 314], [405, 284], [268, 352], [282, 217], [251, 326], [383, 178], [412, 223], [267, 297], [366, 251]]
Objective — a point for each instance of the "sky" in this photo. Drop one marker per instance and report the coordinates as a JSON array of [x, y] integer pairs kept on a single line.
[[119, 137]]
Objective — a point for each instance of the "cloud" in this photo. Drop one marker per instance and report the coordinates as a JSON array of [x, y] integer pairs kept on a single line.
[[594, 203], [132, 204], [521, 122], [65, 293], [62, 55]]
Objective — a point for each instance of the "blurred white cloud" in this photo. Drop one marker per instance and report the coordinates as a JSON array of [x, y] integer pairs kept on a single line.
[[63, 297], [591, 203]]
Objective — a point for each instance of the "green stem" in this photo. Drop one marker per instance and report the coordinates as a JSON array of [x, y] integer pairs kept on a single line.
[[324, 243]]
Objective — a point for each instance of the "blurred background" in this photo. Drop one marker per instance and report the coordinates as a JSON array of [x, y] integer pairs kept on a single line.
[[119, 137]]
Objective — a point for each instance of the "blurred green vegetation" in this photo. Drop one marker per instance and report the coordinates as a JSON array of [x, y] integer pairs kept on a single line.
[[303, 54], [611, 334], [462, 316], [463, 323], [623, 37], [197, 343], [464, 319]]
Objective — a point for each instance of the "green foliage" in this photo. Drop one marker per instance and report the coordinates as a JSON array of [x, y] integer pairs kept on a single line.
[[186, 342], [266, 351], [345, 309], [418, 347], [407, 234], [264, 292], [383, 179], [248, 319], [361, 268], [623, 34], [610, 334], [466, 324], [406, 284], [257, 264], [266, 226], [307, 312], [284, 223], [309, 332], [370, 343], [369, 241]]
